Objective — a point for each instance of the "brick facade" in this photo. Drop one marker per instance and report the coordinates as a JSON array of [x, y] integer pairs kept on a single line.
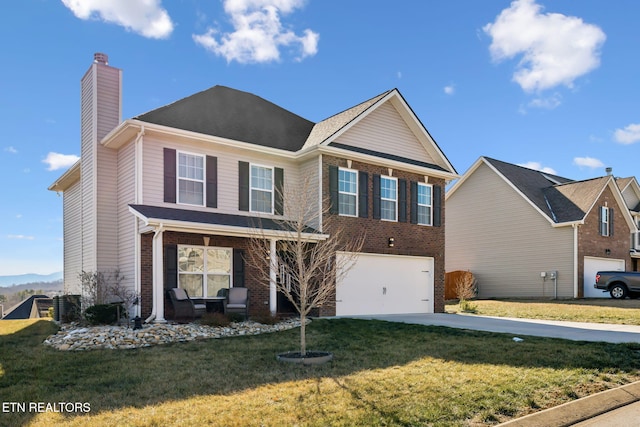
[[591, 243], [409, 239]]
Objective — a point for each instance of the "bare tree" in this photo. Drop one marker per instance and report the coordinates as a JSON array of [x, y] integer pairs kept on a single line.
[[306, 263]]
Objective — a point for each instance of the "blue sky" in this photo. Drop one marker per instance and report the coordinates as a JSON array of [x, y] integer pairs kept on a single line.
[[548, 84]]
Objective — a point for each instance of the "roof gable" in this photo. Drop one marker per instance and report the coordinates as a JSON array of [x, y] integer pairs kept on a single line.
[[560, 200], [225, 112]]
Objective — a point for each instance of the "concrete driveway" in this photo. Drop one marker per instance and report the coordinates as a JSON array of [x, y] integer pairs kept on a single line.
[[575, 331]]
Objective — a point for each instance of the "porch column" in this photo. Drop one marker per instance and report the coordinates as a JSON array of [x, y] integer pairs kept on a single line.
[[158, 275], [273, 270]]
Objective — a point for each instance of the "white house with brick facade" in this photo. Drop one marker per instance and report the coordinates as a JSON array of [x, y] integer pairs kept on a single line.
[[169, 197]]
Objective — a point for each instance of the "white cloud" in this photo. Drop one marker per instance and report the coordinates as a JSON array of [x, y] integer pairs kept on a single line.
[[145, 17], [538, 166], [11, 150], [628, 135], [258, 35], [450, 89], [556, 49], [547, 103], [588, 162], [20, 237], [60, 161]]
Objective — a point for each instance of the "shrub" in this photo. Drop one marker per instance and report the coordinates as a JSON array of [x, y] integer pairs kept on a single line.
[[266, 318], [215, 319], [102, 314]]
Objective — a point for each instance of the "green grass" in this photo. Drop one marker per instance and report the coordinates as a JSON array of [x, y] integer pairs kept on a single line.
[[383, 374], [625, 312]]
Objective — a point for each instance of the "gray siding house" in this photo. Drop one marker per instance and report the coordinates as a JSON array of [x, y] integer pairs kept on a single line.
[[525, 233]]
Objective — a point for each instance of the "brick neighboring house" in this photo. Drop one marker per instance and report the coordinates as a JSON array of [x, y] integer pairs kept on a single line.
[[169, 197], [508, 224]]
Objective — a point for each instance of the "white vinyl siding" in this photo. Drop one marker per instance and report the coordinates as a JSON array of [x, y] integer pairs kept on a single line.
[[385, 131], [497, 235], [228, 157], [72, 234], [126, 221]]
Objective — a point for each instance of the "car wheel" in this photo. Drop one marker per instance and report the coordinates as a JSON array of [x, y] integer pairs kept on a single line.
[[618, 292]]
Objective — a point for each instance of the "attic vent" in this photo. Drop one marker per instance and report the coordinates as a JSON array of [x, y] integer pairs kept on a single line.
[[609, 171]]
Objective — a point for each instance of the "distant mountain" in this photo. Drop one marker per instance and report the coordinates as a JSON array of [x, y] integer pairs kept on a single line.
[[22, 279]]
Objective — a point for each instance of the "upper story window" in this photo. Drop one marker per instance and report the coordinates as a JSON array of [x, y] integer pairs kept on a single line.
[[347, 192], [425, 204], [190, 179], [261, 189], [606, 221], [388, 198]]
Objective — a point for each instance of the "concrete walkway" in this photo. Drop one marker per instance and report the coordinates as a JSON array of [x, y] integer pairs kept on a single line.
[[616, 407], [575, 331]]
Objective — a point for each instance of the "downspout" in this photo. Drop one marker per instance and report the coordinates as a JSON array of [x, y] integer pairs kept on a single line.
[[156, 315], [575, 260], [273, 267], [137, 164]]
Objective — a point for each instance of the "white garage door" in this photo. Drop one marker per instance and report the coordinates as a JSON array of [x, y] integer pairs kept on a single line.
[[386, 284], [591, 266]]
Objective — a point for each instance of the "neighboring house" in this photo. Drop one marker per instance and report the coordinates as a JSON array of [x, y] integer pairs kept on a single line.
[[170, 197], [34, 307], [527, 233]]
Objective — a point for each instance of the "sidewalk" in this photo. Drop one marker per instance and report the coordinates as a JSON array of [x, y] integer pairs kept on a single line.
[[595, 410]]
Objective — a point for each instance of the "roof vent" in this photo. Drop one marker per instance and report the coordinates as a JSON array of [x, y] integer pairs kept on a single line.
[[609, 171], [101, 58]]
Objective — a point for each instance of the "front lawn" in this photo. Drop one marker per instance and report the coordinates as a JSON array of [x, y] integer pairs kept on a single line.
[[383, 374], [605, 310]]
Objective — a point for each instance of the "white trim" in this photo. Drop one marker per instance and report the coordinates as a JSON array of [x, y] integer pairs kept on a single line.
[[203, 181], [430, 186], [356, 194], [271, 191], [390, 178]]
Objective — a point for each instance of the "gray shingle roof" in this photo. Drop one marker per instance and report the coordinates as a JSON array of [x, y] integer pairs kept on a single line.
[[559, 198], [226, 112]]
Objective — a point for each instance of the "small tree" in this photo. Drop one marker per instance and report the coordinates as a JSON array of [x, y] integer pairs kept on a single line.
[[306, 261], [106, 287], [466, 289]]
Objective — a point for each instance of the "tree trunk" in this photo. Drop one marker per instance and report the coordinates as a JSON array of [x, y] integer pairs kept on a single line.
[[303, 336]]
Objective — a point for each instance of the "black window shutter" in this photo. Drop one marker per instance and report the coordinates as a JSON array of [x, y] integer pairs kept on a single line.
[[333, 189], [212, 182], [376, 196], [414, 202], [437, 205], [169, 175], [610, 222], [363, 195], [238, 268], [243, 186], [402, 200], [171, 266], [278, 204]]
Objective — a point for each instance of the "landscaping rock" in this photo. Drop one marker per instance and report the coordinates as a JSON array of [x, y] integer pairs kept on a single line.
[[71, 337]]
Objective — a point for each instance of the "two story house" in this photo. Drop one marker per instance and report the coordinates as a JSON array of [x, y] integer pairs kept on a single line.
[[170, 197], [524, 233]]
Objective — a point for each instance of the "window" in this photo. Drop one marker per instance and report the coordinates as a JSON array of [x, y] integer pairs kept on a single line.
[[203, 270], [261, 189], [347, 192], [605, 221], [388, 198], [190, 179], [424, 204]]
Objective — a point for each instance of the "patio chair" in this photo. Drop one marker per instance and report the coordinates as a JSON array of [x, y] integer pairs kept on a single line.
[[184, 306], [237, 301]]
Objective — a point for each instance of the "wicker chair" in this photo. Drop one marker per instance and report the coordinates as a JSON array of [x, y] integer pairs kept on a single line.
[[237, 301], [184, 306]]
